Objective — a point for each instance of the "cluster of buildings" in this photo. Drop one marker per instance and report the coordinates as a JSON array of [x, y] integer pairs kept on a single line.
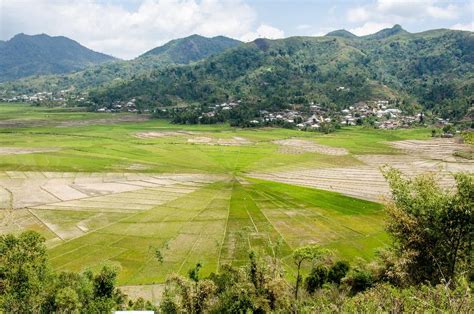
[[61, 98], [301, 119], [122, 106], [382, 115]]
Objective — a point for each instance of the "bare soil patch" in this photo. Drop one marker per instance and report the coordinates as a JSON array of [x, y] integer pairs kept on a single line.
[[138, 167], [147, 292], [157, 134], [296, 146], [25, 150], [233, 141]]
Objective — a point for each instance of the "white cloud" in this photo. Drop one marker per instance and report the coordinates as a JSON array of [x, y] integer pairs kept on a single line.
[[464, 27], [108, 27], [369, 28], [447, 13], [264, 31], [359, 14], [400, 11]]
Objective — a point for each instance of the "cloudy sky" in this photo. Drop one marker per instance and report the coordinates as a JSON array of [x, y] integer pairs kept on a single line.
[[127, 28]]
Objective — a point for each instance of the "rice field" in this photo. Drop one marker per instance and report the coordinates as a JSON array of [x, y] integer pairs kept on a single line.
[[114, 188]]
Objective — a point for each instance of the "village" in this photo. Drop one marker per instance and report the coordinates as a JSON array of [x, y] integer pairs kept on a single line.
[[380, 114], [62, 98]]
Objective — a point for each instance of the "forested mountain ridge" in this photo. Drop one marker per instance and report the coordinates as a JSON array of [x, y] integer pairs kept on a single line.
[[434, 69], [25, 55], [179, 51], [191, 48]]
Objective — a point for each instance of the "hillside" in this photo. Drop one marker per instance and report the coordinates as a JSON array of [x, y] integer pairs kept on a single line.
[[192, 48], [434, 69], [25, 55], [175, 52]]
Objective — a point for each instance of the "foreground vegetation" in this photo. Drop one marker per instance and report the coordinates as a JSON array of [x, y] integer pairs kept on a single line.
[[426, 269]]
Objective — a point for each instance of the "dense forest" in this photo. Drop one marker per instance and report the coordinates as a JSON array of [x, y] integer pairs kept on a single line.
[[433, 69], [428, 268]]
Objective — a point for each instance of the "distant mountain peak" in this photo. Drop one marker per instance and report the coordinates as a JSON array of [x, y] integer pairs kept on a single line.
[[25, 55], [192, 48], [341, 33], [387, 32]]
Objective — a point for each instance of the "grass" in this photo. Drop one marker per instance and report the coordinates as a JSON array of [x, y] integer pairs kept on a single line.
[[96, 147], [218, 223]]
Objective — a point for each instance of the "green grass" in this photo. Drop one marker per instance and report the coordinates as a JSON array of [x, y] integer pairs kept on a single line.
[[216, 224], [114, 148]]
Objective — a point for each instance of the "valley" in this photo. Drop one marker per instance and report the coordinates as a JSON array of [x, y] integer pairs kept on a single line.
[[114, 188]]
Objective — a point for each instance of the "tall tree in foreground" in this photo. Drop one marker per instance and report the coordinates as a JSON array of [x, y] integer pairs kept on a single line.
[[309, 253], [432, 228], [23, 272]]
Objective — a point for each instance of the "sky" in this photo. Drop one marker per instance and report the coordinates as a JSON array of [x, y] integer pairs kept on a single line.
[[128, 28]]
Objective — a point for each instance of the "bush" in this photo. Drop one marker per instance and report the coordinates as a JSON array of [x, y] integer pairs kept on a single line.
[[359, 280], [338, 271], [316, 278]]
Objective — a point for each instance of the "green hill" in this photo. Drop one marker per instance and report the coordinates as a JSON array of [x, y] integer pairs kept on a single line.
[[434, 69], [178, 51], [25, 55], [341, 33], [192, 48]]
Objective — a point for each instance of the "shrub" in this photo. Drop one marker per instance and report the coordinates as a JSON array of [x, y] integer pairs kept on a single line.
[[316, 278], [338, 271]]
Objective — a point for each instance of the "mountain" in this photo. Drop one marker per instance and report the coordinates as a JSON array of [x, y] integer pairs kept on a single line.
[[176, 52], [341, 33], [387, 32], [25, 55], [433, 69], [192, 48]]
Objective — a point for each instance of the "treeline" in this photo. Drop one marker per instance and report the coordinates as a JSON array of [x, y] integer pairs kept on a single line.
[[428, 268]]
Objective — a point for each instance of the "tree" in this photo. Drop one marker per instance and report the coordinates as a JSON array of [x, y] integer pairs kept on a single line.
[[432, 228], [309, 253], [104, 283], [185, 295], [67, 301], [23, 272], [193, 273]]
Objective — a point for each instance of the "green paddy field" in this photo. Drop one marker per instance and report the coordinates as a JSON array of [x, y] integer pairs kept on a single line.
[[215, 219]]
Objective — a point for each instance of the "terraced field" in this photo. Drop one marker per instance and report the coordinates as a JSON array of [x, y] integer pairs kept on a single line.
[[93, 218], [115, 188], [366, 180]]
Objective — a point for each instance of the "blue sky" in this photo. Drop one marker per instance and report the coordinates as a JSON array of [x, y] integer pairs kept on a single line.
[[127, 28]]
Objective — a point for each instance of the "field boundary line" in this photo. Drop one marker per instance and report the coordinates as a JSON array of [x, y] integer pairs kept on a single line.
[[36, 216], [271, 224], [50, 193], [280, 208], [112, 223], [225, 229]]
